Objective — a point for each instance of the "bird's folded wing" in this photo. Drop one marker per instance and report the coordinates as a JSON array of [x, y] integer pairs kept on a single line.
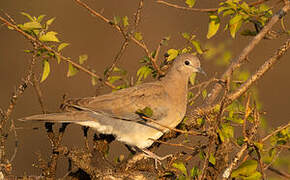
[[126, 102]]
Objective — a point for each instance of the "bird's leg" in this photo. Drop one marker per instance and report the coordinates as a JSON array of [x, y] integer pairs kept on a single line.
[[85, 131], [157, 159]]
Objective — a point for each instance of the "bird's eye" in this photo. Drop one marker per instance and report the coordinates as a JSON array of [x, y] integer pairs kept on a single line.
[[186, 62]]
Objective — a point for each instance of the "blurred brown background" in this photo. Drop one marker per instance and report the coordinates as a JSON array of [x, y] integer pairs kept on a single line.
[[89, 35]]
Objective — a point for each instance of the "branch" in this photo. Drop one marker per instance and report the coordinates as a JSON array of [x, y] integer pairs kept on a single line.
[[202, 10], [242, 57], [68, 60], [127, 39], [276, 131], [186, 8], [261, 71]]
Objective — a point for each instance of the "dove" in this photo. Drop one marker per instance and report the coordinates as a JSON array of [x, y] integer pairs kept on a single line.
[[118, 112]]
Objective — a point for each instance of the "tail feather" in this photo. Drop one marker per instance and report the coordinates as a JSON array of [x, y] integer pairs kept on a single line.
[[60, 117]]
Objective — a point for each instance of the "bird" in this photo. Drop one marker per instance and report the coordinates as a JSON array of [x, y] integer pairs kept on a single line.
[[118, 113]]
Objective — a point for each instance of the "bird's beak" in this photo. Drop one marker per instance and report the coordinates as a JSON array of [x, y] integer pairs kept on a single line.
[[201, 71]]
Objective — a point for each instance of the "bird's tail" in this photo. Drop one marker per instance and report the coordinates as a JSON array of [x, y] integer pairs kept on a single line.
[[64, 117]]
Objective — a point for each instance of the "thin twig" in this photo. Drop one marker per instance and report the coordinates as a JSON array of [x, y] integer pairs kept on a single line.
[[280, 173], [186, 8], [241, 58], [200, 9], [68, 60], [174, 129], [174, 144], [276, 131], [127, 38]]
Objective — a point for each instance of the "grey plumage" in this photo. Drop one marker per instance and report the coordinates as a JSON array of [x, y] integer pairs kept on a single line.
[[115, 113]]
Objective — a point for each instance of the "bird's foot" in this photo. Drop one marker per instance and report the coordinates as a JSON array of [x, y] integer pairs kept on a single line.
[[157, 159]]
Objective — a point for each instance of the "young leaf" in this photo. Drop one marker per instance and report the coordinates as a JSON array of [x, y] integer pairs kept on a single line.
[[27, 15], [147, 111], [49, 22], [83, 58], [235, 24], [190, 3], [112, 79], [192, 78], [94, 81], [196, 44], [143, 72], [212, 159], [125, 21], [49, 36], [46, 70], [116, 20], [58, 59], [180, 166], [194, 172], [40, 18], [186, 35], [30, 26], [71, 70], [172, 54], [138, 36], [213, 26], [61, 46], [204, 93]]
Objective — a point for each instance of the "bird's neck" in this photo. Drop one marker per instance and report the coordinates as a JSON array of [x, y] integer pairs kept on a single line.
[[177, 85]]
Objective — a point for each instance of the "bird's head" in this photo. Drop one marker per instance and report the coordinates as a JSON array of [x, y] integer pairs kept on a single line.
[[187, 64]]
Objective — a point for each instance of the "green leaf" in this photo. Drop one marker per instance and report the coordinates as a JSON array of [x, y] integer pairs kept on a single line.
[[186, 35], [58, 59], [83, 58], [61, 46], [196, 44], [27, 15], [200, 121], [116, 20], [245, 169], [30, 26], [172, 54], [125, 21], [143, 72], [71, 70], [255, 176], [212, 159], [46, 70], [228, 12], [94, 80], [190, 3], [49, 22], [40, 18], [138, 36], [235, 24], [113, 79], [204, 93], [147, 111], [194, 172], [180, 166], [213, 26], [227, 130], [49, 36], [119, 70], [192, 78]]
